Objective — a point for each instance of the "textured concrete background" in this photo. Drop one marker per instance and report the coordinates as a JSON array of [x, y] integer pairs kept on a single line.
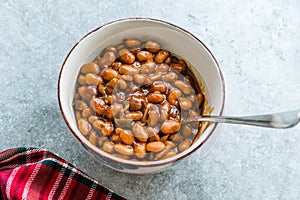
[[257, 44]]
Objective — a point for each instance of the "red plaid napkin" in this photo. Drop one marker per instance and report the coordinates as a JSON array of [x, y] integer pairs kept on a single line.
[[32, 173]]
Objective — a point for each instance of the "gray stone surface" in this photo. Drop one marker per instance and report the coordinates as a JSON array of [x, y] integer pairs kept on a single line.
[[257, 44]]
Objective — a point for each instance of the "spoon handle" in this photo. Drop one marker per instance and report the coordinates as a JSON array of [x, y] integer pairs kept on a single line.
[[285, 119]]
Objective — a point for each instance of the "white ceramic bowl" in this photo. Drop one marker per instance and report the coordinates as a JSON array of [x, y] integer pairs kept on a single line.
[[172, 38]]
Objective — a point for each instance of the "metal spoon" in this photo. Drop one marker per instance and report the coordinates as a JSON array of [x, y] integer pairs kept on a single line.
[[285, 119]]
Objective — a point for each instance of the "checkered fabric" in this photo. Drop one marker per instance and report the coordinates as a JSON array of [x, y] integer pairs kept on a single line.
[[32, 173]]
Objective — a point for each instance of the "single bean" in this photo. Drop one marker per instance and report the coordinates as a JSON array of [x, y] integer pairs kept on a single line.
[[156, 77], [184, 145], [183, 86], [126, 56], [132, 42], [80, 105], [110, 86], [170, 154], [136, 103], [153, 134], [84, 126], [108, 58], [164, 138], [200, 98], [143, 56], [165, 111], [162, 153], [175, 138], [98, 105], [86, 112], [162, 68], [90, 68], [155, 146], [139, 78], [152, 46], [140, 132], [108, 146], [81, 80], [185, 103], [93, 138], [112, 83], [170, 126], [134, 115], [153, 118], [187, 131], [169, 143], [155, 97], [118, 130], [108, 74], [148, 67], [173, 96], [139, 149], [126, 137], [158, 86], [111, 48], [178, 67], [87, 92], [128, 70], [122, 84], [97, 124], [93, 79], [127, 77], [92, 118], [161, 56], [115, 138], [124, 149], [148, 82], [170, 77], [107, 128], [116, 108]]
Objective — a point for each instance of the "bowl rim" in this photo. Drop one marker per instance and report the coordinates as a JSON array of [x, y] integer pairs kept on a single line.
[[130, 162]]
